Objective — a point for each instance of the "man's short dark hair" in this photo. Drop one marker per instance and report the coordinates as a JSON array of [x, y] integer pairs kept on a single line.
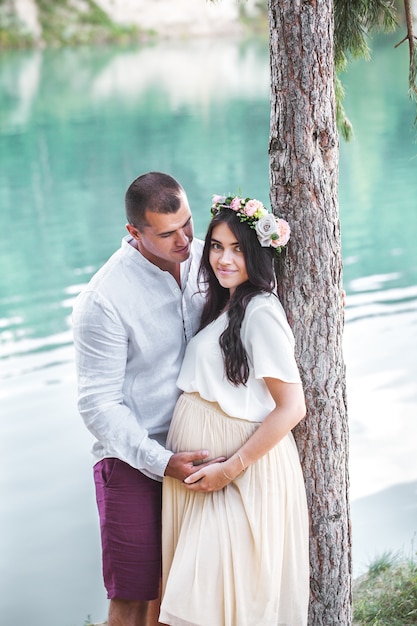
[[155, 192]]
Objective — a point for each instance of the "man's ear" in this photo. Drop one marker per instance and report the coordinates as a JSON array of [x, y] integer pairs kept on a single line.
[[132, 230]]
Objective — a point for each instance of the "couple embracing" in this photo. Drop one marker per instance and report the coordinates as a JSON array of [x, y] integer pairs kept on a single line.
[[188, 382]]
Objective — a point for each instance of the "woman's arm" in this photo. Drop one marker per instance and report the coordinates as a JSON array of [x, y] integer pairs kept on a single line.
[[289, 410]]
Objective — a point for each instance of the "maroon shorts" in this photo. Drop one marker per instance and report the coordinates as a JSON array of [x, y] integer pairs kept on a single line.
[[129, 505]]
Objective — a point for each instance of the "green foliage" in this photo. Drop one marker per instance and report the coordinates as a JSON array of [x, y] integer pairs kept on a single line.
[[63, 23], [255, 23], [12, 34], [343, 124], [354, 20], [387, 594]]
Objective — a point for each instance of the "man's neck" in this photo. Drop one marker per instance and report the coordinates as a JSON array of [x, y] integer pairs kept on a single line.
[[172, 268]]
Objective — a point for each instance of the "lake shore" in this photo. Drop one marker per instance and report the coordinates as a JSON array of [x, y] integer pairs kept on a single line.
[[27, 23]]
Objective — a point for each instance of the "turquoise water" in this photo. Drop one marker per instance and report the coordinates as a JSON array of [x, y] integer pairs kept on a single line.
[[76, 127]]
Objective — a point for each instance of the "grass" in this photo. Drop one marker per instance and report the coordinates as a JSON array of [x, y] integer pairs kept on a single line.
[[387, 594]]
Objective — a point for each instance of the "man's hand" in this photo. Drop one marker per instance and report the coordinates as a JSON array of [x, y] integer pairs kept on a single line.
[[183, 464]]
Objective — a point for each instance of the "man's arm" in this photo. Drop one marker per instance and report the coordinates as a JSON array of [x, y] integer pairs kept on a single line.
[[101, 348]]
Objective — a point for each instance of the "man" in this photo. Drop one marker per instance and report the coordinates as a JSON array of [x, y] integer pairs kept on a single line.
[[131, 324]]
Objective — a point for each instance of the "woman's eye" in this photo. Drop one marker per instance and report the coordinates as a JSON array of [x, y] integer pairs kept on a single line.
[[215, 246]]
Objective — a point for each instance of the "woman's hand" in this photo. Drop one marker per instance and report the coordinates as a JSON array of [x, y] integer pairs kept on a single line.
[[209, 478]]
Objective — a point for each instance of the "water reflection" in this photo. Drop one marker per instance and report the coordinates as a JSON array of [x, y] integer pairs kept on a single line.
[[20, 77], [378, 206], [84, 126], [376, 303], [78, 125], [200, 73]]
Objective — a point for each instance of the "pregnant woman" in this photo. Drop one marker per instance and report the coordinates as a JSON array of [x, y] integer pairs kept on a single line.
[[235, 533]]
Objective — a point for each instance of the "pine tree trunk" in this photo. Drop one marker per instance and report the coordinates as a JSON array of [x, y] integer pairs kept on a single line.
[[304, 177]]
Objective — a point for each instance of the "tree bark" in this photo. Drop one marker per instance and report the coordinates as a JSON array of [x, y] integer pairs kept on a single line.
[[304, 189]]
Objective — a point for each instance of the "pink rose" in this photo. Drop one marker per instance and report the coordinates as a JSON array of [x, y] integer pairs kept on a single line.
[[235, 203], [252, 206], [284, 232], [217, 199]]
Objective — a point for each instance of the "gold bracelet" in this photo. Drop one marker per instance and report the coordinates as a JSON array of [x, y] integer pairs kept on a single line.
[[240, 459], [224, 473]]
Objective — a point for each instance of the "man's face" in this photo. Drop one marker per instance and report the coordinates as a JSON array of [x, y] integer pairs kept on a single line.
[[168, 236]]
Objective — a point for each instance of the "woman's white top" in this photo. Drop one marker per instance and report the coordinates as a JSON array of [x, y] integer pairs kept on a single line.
[[269, 344]]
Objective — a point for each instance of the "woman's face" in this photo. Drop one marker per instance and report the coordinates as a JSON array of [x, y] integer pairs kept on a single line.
[[226, 258]]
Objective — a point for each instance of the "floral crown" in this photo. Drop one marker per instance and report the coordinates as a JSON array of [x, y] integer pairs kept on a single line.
[[270, 230]]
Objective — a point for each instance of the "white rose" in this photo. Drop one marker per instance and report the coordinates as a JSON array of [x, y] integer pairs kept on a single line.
[[265, 228]]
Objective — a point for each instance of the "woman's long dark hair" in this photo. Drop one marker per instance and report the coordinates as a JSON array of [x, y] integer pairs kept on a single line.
[[260, 269]]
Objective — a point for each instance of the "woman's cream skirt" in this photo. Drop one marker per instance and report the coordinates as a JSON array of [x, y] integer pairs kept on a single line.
[[239, 556]]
